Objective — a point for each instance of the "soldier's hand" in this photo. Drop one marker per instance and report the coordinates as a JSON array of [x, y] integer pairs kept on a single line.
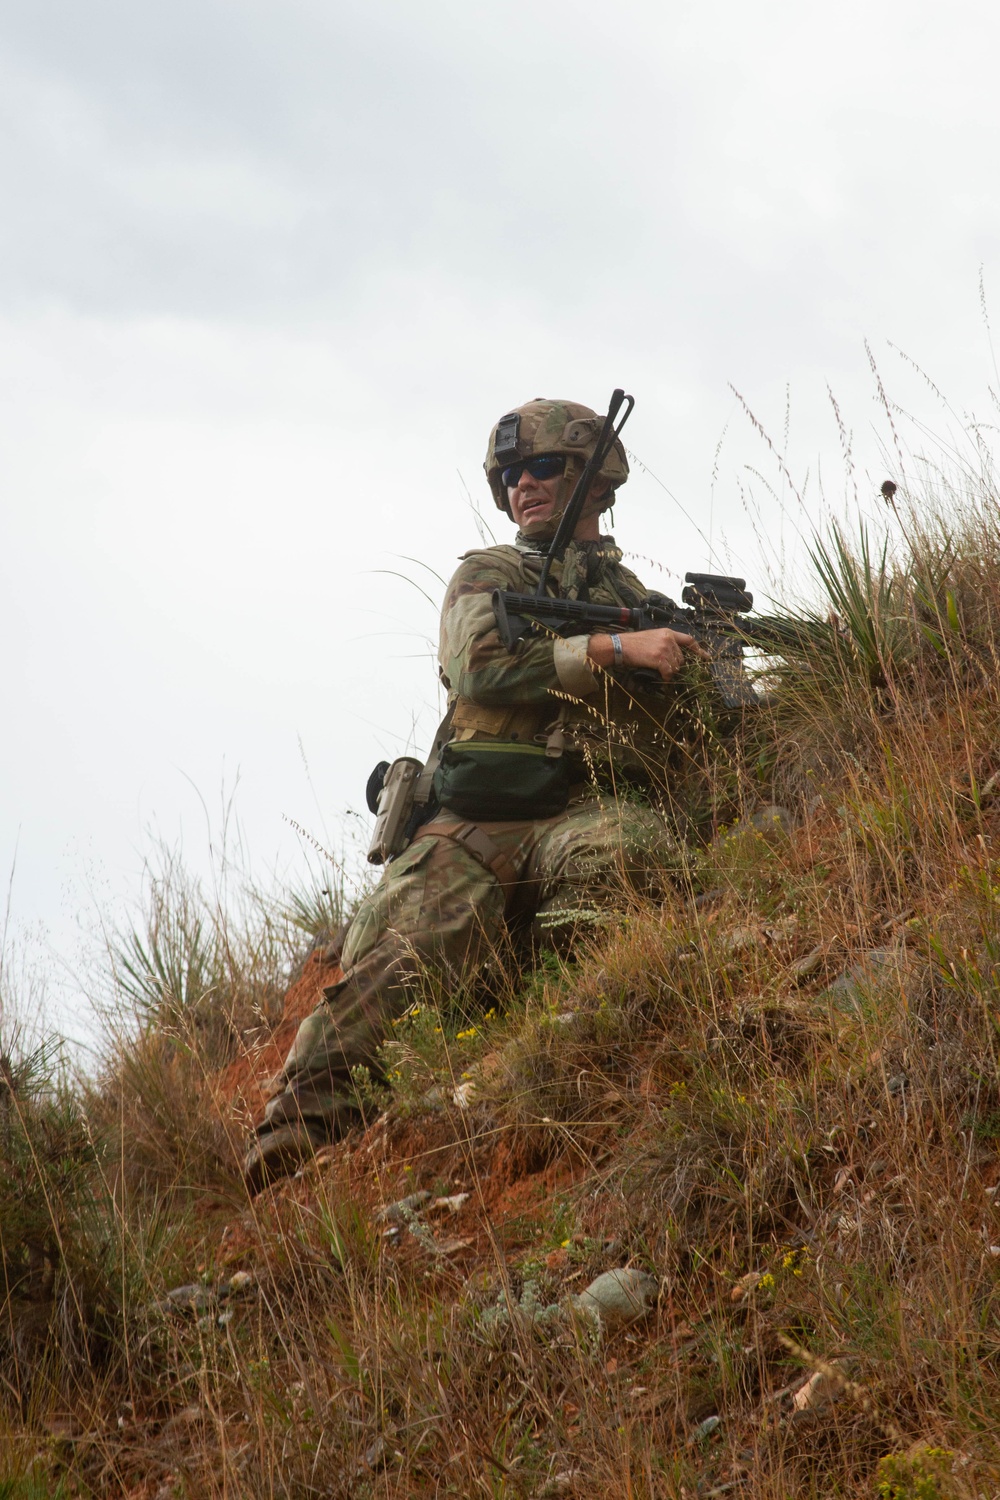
[[659, 650]]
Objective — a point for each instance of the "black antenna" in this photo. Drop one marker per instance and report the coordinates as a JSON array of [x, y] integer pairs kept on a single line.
[[571, 515]]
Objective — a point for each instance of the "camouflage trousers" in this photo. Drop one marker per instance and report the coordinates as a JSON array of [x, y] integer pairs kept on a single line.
[[438, 913]]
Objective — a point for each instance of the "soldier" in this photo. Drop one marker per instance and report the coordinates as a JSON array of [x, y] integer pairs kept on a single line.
[[582, 830]]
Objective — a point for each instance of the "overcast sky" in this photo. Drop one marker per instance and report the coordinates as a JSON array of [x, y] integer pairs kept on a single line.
[[269, 273]]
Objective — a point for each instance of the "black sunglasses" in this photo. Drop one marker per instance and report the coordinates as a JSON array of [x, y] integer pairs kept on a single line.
[[545, 466]]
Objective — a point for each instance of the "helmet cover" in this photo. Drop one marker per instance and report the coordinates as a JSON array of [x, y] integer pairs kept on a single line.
[[542, 426]]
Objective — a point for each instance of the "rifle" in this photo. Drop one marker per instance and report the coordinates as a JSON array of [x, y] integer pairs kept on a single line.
[[716, 617]]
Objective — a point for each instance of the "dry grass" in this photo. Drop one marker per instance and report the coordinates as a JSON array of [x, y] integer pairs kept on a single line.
[[777, 1092]]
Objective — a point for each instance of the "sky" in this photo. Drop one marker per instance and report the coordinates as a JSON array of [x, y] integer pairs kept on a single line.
[[270, 272]]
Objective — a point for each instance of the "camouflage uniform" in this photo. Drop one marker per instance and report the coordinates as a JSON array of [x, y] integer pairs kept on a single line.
[[438, 909]]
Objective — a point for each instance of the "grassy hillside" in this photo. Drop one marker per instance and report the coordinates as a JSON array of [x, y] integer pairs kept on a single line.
[[775, 1096]]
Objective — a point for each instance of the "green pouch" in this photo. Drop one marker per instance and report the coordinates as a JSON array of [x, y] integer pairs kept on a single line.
[[495, 782]]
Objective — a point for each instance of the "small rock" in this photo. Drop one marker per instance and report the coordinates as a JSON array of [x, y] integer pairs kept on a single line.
[[618, 1297], [989, 791], [450, 1247], [781, 931], [704, 1430], [192, 1298], [374, 1453], [817, 1390], [805, 968], [403, 1208], [559, 1485], [746, 1284], [464, 1094], [452, 1205], [851, 989], [239, 1283], [739, 940]]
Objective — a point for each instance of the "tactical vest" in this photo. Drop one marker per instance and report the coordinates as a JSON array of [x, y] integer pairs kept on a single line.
[[617, 729]]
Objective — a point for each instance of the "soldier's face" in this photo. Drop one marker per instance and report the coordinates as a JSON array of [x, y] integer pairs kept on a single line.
[[537, 504], [532, 501]]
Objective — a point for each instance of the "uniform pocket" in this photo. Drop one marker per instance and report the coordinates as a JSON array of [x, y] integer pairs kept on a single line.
[[412, 857]]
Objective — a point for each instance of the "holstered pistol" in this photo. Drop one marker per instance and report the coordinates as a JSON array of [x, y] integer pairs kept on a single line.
[[395, 804]]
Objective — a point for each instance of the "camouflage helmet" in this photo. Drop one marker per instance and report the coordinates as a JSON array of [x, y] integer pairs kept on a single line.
[[542, 426]]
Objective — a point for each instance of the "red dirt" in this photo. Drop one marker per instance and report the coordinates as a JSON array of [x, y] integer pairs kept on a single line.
[[241, 1086], [511, 1176], [511, 1182]]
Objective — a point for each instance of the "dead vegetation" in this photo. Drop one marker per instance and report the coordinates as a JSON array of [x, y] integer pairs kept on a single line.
[[775, 1094]]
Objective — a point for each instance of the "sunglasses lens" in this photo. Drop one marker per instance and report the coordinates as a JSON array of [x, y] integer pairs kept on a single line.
[[546, 466]]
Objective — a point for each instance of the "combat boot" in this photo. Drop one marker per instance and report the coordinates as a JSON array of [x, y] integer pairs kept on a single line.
[[279, 1151]]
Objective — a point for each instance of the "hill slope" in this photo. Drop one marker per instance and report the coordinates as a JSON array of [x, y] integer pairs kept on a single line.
[[772, 1102]]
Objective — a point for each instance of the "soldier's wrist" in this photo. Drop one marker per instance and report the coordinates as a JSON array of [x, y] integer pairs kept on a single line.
[[601, 652]]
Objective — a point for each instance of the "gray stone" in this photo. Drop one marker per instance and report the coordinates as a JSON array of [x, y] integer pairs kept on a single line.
[[770, 820], [402, 1211], [240, 1284], [805, 968], [192, 1298], [851, 988], [618, 1297]]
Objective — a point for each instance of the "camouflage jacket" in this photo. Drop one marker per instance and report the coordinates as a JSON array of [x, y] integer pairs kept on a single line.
[[548, 683]]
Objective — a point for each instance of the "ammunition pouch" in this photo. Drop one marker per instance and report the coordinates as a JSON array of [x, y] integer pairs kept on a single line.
[[504, 781]]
